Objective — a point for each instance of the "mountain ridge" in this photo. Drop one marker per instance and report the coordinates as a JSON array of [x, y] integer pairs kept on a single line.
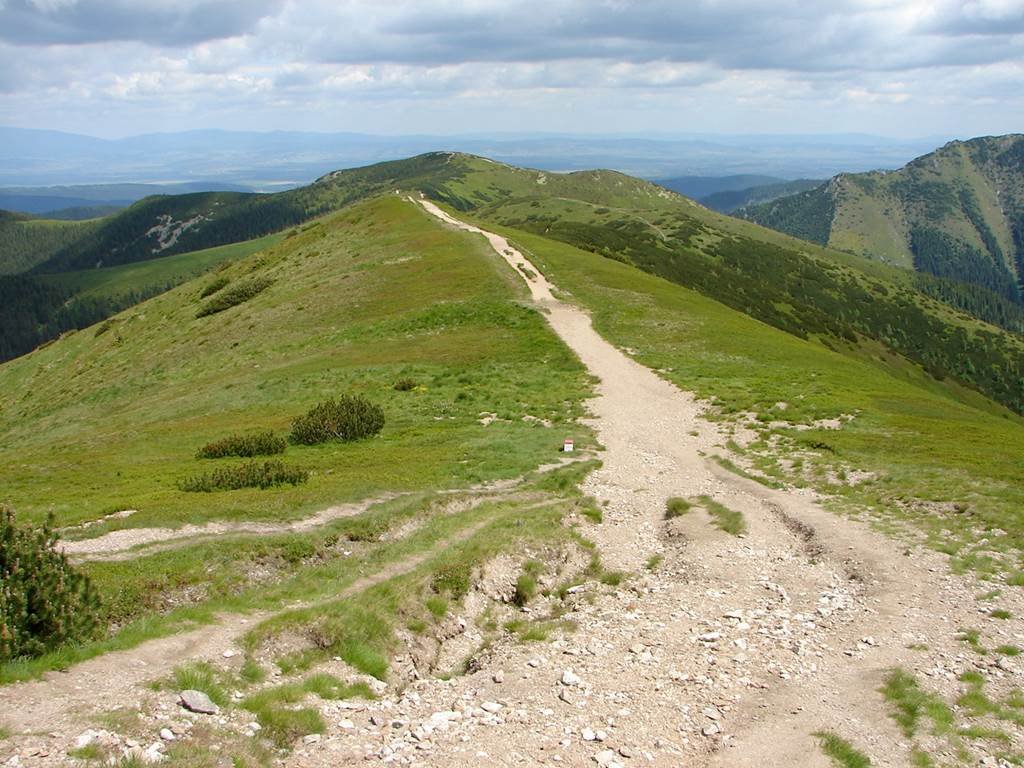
[[956, 213], [812, 293]]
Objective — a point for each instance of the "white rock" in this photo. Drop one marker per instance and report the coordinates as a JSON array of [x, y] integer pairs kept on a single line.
[[588, 735], [570, 678], [492, 707], [167, 734], [85, 738]]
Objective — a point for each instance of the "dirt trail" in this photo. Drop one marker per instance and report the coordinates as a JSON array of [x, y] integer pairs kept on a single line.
[[735, 651], [120, 544], [64, 699], [126, 543]]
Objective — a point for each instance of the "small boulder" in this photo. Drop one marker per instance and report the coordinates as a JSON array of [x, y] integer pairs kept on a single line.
[[197, 701]]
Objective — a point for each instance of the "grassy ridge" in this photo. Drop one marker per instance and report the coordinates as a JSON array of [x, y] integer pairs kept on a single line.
[[794, 286]]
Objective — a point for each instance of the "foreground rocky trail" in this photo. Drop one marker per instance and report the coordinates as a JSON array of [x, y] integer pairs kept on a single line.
[[737, 649]]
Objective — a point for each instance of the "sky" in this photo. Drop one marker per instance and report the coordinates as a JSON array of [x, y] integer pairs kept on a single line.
[[906, 68]]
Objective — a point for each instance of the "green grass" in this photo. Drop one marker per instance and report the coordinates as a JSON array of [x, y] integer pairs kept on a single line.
[[361, 628], [109, 282], [199, 676], [676, 507], [973, 638], [282, 723], [725, 519], [911, 706], [346, 315], [526, 589], [654, 562], [738, 470], [89, 753], [1000, 613], [841, 752]]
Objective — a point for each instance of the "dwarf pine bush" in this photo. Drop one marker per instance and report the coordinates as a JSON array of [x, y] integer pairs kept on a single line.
[[253, 474], [234, 296], [260, 444], [213, 286], [44, 602], [350, 417]]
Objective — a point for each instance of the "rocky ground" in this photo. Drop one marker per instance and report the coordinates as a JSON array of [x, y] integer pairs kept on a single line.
[[716, 649]]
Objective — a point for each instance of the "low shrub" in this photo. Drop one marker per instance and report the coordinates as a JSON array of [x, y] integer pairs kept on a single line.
[[213, 286], [44, 602], [526, 589], [405, 385], [350, 417], [232, 297], [260, 444], [676, 507], [252, 474]]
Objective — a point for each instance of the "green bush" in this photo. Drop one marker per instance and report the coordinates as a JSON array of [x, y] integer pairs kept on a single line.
[[252, 474], [232, 297], [405, 385], [215, 285], [44, 602], [350, 417], [261, 444]]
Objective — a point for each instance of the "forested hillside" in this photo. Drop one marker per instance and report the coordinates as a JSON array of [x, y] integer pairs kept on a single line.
[[957, 214]]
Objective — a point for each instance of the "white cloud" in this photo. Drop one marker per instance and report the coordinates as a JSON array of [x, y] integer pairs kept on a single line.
[[580, 64]]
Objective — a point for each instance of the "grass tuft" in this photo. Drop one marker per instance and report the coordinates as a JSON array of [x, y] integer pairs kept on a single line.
[[841, 752], [199, 676], [676, 507], [725, 519], [911, 705]]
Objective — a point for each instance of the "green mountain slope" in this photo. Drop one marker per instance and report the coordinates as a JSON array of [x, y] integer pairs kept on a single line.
[[845, 301], [355, 304], [26, 242], [110, 418], [956, 213]]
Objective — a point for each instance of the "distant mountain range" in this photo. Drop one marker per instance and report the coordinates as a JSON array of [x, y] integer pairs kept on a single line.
[[257, 160], [728, 194], [84, 201], [956, 213]]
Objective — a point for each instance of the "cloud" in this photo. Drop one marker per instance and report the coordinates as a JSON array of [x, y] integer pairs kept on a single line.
[[155, 22], [409, 63]]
